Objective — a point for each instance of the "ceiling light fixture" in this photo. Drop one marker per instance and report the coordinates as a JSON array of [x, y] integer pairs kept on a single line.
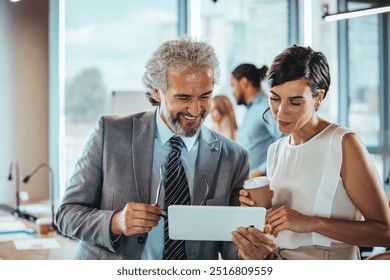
[[357, 13]]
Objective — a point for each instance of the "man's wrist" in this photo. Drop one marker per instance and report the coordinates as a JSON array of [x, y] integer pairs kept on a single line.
[[114, 228]]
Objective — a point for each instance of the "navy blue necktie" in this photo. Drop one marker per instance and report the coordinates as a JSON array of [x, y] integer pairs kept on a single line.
[[176, 193]]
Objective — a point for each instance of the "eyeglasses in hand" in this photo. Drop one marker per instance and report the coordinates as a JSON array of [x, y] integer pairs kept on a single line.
[[164, 213]]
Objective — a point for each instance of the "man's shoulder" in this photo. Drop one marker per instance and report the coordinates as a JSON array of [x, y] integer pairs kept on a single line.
[[127, 119]]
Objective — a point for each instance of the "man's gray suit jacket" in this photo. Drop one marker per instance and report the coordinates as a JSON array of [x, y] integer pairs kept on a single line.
[[116, 168]]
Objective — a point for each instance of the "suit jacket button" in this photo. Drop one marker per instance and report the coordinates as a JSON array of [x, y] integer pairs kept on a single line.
[[140, 240]]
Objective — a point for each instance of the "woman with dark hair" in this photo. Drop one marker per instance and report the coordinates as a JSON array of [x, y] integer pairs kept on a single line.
[[328, 198], [255, 133]]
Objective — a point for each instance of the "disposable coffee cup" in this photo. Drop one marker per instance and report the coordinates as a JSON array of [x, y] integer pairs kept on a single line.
[[43, 226], [259, 191]]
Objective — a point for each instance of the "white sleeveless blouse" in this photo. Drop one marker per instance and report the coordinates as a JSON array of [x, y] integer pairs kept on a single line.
[[307, 179]]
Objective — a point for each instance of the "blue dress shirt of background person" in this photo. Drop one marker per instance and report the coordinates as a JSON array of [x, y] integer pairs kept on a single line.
[[257, 130]]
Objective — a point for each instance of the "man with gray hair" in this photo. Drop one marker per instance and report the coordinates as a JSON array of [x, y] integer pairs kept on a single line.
[[112, 202]]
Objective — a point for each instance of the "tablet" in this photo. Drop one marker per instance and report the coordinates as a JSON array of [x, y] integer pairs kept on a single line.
[[211, 223]]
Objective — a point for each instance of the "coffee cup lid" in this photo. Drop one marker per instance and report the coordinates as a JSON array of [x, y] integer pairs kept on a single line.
[[256, 182]]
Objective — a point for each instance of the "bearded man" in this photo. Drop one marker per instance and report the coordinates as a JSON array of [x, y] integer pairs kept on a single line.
[[112, 203]]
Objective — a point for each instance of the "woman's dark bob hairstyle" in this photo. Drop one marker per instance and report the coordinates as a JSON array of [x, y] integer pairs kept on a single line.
[[298, 62]]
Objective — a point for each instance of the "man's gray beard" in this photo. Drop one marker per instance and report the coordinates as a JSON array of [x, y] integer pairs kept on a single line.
[[176, 126]]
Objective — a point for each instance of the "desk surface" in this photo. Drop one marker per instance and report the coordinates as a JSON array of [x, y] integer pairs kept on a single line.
[[67, 248], [65, 252]]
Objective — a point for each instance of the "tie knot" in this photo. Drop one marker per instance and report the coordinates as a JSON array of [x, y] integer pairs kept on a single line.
[[177, 144]]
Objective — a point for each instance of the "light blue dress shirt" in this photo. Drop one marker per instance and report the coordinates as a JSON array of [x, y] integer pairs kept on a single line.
[[255, 134], [154, 246]]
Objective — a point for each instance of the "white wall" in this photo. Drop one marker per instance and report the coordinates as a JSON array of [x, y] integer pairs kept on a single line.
[[24, 94]]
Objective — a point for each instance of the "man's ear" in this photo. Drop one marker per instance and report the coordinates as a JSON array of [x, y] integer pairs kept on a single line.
[[243, 82], [156, 94]]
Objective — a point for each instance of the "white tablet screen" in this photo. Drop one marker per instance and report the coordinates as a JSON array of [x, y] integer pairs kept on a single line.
[[190, 222]]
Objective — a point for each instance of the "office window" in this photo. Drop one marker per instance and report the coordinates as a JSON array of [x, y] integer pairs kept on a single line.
[[106, 46], [363, 65], [363, 82], [324, 39], [363, 60], [244, 32]]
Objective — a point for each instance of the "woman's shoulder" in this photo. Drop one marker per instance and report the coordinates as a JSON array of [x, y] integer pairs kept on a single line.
[[346, 136], [340, 128], [337, 131]]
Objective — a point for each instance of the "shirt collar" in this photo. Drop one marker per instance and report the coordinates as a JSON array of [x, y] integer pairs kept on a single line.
[[164, 133], [256, 99]]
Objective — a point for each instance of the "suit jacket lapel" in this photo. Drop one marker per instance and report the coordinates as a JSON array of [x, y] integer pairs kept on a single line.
[[206, 165], [144, 132]]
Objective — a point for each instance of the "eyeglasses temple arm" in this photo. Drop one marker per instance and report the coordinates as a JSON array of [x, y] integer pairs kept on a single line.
[[207, 190]]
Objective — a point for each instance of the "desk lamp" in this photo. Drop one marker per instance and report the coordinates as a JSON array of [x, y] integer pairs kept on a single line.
[[14, 165], [26, 178]]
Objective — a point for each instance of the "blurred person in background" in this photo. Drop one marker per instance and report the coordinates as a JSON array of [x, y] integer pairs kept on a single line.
[[223, 117], [256, 132]]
